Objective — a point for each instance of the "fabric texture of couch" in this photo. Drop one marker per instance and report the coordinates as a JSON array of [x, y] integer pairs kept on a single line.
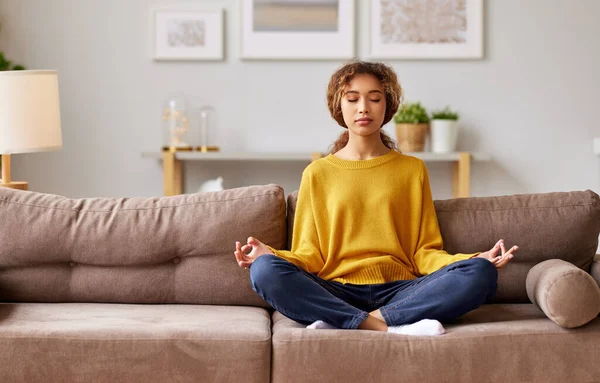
[[148, 290]]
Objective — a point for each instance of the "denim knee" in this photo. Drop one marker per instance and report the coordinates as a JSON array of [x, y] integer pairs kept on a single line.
[[486, 275], [263, 271]]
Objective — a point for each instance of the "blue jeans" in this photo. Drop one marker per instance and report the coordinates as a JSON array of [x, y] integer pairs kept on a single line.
[[304, 297]]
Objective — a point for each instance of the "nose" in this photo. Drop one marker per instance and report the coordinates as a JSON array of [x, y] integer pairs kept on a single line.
[[363, 108]]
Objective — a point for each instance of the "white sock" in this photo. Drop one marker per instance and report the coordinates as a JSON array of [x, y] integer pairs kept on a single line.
[[320, 325], [422, 327]]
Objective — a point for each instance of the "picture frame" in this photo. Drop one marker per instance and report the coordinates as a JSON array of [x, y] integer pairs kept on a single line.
[[297, 30], [460, 36], [185, 32]]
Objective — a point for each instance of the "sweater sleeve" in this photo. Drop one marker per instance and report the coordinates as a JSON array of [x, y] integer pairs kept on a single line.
[[305, 252], [430, 256]]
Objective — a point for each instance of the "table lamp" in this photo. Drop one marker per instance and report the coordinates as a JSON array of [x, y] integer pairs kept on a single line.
[[29, 116]]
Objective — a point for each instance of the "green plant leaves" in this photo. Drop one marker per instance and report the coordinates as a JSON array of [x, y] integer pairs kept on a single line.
[[415, 113], [444, 114], [8, 65], [411, 113]]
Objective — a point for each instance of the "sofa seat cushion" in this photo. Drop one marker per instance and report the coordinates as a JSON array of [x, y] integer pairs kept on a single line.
[[92, 342], [495, 343]]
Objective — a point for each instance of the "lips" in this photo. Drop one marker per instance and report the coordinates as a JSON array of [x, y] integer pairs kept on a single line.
[[364, 120]]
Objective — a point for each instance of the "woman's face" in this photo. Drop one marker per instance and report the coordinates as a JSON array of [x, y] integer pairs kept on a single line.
[[363, 105]]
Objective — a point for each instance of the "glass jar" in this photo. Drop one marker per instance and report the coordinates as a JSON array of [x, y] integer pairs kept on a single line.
[[177, 131], [207, 125]]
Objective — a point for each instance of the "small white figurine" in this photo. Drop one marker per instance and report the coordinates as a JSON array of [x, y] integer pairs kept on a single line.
[[212, 185]]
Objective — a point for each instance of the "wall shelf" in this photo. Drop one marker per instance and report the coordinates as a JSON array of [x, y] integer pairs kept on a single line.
[[173, 164], [237, 156]]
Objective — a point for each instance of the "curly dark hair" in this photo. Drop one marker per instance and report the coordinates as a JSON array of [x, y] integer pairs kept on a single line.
[[342, 77]]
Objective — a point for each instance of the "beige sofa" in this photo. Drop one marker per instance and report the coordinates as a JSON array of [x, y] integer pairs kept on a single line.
[[148, 290]]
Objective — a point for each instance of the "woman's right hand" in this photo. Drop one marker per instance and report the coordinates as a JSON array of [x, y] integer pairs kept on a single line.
[[245, 259]]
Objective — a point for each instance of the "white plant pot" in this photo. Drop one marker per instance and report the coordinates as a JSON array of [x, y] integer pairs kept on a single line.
[[444, 134]]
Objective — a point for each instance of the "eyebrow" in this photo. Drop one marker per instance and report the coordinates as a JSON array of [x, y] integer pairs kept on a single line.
[[371, 91]]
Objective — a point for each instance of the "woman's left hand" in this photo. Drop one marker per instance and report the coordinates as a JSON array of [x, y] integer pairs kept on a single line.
[[499, 260]]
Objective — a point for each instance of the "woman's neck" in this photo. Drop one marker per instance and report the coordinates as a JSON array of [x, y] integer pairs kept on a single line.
[[362, 148]]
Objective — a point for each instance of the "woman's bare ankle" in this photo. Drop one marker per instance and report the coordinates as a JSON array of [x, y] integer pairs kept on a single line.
[[377, 314], [372, 323]]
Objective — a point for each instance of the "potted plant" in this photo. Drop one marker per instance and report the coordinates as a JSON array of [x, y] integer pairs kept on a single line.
[[8, 65], [412, 126], [444, 130]]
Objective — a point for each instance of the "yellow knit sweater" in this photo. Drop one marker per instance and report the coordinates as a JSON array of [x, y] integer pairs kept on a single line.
[[367, 221]]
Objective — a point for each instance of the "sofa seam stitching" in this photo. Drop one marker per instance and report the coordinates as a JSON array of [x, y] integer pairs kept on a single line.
[[3, 200], [514, 208], [134, 339]]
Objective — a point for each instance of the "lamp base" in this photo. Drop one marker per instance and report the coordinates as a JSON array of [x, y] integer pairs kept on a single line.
[[21, 185]]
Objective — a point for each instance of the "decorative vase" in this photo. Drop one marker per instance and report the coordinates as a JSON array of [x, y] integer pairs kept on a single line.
[[411, 137], [444, 134], [175, 124], [207, 130]]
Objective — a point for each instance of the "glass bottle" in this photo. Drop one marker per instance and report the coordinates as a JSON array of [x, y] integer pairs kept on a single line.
[[175, 125]]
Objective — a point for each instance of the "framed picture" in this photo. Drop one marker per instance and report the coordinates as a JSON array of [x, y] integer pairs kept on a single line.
[[426, 29], [297, 29], [184, 33]]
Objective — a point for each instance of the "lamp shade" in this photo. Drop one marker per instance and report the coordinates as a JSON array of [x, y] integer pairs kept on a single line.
[[29, 111]]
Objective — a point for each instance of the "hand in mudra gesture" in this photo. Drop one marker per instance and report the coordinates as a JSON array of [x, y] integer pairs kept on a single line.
[[499, 260], [256, 248]]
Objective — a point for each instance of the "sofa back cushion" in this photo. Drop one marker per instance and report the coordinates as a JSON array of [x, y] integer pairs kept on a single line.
[[135, 250], [561, 225]]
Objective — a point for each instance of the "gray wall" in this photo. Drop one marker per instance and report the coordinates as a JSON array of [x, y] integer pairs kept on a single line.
[[531, 103]]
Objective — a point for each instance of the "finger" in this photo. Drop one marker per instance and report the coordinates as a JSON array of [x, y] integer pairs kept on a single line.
[[502, 247], [494, 250], [504, 261], [245, 249], [511, 251], [238, 258], [236, 252], [252, 241], [246, 264], [240, 255]]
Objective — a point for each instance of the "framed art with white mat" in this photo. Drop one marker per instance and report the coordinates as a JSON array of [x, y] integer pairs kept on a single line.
[[297, 29], [187, 32], [426, 29]]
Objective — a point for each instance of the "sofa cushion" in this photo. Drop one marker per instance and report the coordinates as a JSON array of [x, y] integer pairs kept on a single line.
[[494, 343], [545, 226], [92, 342], [569, 296], [134, 250]]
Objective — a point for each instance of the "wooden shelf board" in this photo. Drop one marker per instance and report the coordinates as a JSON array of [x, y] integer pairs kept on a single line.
[[305, 157]]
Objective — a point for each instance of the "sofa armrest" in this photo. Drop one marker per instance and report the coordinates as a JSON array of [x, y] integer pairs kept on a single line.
[[595, 269]]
